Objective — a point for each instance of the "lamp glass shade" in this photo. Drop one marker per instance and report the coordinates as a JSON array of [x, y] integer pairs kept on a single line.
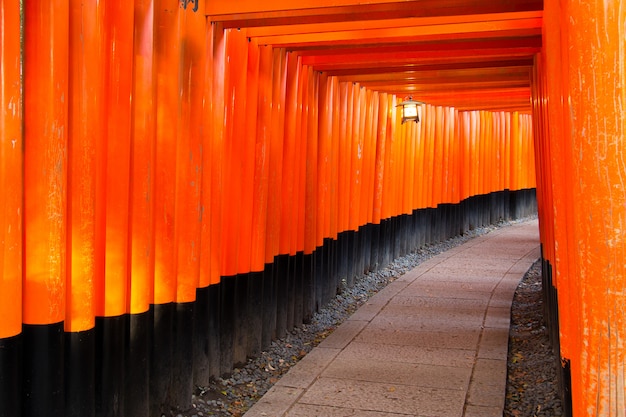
[[409, 111]]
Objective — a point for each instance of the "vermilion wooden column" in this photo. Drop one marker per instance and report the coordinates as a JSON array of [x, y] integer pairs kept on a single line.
[[556, 203], [11, 208], [235, 70], [368, 157], [595, 48], [112, 219], [381, 158], [287, 200], [167, 43], [217, 75], [262, 161], [252, 325], [45, 219], [141, 212], [311, 219], [85, 131], [304, 90], [190, 87], [212, 192], [189, 154], [248, 153]]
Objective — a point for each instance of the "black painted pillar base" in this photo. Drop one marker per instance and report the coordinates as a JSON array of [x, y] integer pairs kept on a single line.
[[11, 376], [333, 273], [343, 248], [161, 360], [291, 293], [182, 356], [201, 369], [366, 235], [240, 336], [43, 354], [281, 289], [137, 386], [255, 314], [308, 288], [269, 307], [349, 257], [227, 323], [566, 387], [80, 353], [298, 301], [318, 278], [111, 359], [325, 276], [213, 330]]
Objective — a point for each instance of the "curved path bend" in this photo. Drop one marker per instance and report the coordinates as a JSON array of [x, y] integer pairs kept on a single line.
[[433, 343]]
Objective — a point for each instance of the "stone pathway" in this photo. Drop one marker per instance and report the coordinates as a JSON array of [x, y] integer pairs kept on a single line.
[[431, 344]]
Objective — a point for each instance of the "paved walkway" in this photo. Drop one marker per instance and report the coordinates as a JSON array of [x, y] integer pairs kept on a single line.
[[431, 344]]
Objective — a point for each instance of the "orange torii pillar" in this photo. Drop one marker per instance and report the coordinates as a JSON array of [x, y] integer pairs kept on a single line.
[[11, 210], [592, 66], [112, 220], [85, 132], [262, 259], [167, 55], [311, 221], [45, 174], [250, 285], [141, 213]]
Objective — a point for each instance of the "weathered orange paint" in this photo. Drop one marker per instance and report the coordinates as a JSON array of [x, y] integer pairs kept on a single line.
[[45, 161], [301, 155], [288, 219], [379, 170], [252, 262], [369, 158], [234, 130], [85, 129], [420, 189], [11, 170], [262, 160], [217, 146], [167, 55], [279, 79], [143, 141], [387, 204], [311, 182], [334, 214], [355, 218], [189, 154], [431, 123], [209, 252], [112, 283], [597, 120], [323, 159], [343, 117]]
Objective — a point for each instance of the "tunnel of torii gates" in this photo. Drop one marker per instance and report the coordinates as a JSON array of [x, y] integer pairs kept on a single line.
[[176, 193]]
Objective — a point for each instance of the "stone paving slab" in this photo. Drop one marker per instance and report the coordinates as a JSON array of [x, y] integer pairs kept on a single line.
[[409, 354], [431, 344], [465, 339], [385, 397], [422, 375], [309, 410]]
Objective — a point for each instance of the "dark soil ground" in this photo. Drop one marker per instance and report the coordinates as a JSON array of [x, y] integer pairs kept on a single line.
[[532, 367]]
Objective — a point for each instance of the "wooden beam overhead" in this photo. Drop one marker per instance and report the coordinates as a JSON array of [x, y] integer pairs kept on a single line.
[[455, 52], [252, 13]]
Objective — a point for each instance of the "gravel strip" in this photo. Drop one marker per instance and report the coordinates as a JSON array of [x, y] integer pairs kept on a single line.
[[233, 396], [532, 388]]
